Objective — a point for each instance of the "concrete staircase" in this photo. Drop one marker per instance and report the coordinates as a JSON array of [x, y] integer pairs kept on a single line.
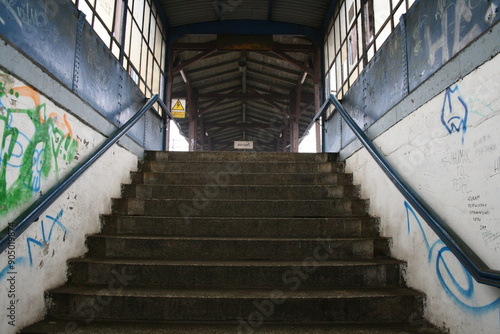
[[236, 243]]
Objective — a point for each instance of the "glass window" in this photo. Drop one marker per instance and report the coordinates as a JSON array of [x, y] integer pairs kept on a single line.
[[382, 11], [106, 10], [360, 27], [331, 48], [144, 52], [138, 11]]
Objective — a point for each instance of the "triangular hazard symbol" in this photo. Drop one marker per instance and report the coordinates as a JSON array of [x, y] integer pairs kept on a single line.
[[178, 106]]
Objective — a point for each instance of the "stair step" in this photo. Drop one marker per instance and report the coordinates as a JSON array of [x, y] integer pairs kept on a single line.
[[203, 192], [420, 326], [310, 273], [376, 305], [170, 248], [226, 178], [239, 208], [241, 167], [241, 227], [290, 158], [225, 242]]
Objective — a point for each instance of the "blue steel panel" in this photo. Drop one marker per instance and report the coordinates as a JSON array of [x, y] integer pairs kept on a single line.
[[45, 31], [130, 100], [153, 131], [354, 104], [438, 30], [99, 74], [379, 88], [383, 78], [333, 138], [106, 86]]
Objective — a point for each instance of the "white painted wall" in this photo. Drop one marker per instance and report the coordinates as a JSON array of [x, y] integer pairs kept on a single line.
[[42, 251], [458, 174]]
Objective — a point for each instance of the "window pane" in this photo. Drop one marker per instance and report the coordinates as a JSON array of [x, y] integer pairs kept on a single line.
[[369, 27], [152, 33], [338, 72], [325, 56], [350, 12], [105, 10], [144, 57], [337, 34], [345, 68], [147, 14], [333, 81], [163, 55], [156, 79], [360, 40], [382, 11], [128, 33], [383, 35], [158, 41], [150, 70], [342, 22], [135, 47], [115, 48], [400, 11], [138, 11], [352, 47], [117, 30], [89, 14], [331, 48], [102, 32]]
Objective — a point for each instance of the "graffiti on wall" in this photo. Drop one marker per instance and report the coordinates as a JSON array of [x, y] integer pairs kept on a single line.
[[458, 285], [34, 141], [48, 226], [455, 112]]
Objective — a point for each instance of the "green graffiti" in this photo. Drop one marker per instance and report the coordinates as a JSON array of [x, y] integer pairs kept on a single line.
[[28, 158]]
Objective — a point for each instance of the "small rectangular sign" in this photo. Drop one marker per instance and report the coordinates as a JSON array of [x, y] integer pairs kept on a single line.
[[178, 109], [243, 145]]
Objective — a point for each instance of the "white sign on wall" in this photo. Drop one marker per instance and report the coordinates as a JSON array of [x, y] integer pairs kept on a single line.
[[243, 145]]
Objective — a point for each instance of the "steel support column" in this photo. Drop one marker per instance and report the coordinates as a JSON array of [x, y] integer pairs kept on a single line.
[[317, 94], [191, 110]]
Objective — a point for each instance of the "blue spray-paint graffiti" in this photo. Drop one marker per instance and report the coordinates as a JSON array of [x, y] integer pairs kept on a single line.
[[455, 112], [28, 259], [458, 286]]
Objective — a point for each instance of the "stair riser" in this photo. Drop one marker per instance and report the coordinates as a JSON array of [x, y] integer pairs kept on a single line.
[[223, 178], [238, 192], [251, 157], [240, 167], [235, 249], [229, 227], [243, 208], [334, 310], [307, 275]]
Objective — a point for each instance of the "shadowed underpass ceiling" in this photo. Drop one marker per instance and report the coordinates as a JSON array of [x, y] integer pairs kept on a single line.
[[249, 69]]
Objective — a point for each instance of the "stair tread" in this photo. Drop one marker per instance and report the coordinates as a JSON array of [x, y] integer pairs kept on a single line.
[[241, 293], [248, 218], [100, 327], [253, 239], [329, 200], [241, 263]]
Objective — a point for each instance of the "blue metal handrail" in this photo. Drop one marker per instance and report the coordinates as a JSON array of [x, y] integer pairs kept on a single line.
[[469, 259], [21, 223]]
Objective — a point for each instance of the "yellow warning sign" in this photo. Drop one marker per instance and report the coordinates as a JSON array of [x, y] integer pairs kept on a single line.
[[178, 110], [178, 106]]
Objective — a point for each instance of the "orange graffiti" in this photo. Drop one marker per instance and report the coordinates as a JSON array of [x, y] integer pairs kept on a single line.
[[29, 92]]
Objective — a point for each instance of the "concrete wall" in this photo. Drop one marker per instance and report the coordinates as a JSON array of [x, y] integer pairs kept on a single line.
[[42, 137], [449, 151]]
